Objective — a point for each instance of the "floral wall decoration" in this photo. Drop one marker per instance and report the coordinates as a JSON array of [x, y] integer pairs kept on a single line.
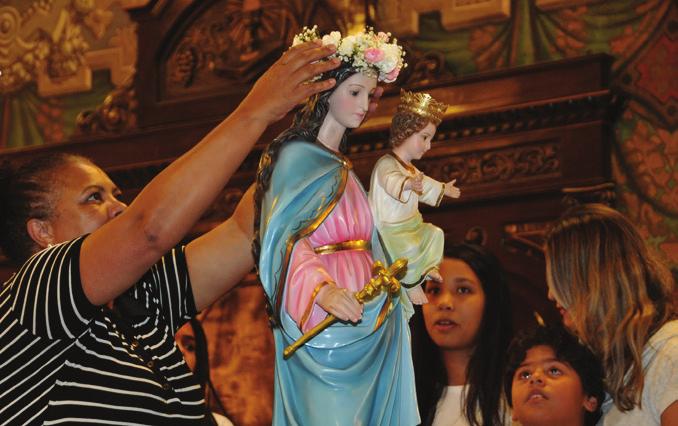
[[57, 58]]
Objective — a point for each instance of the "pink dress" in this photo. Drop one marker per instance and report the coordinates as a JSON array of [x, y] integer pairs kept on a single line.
[[350, 220]]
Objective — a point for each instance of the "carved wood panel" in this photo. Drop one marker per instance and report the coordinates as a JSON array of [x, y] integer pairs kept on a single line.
[[204, 55], [57, 44], [402, 17]]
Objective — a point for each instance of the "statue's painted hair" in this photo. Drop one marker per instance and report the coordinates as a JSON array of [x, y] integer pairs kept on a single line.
[[305, 126]]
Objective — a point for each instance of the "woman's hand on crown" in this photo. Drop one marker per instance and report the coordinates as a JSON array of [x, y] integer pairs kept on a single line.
[[288, 82]]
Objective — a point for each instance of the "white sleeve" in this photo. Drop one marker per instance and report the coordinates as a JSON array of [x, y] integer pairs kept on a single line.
[[433, 192], [661, 379]]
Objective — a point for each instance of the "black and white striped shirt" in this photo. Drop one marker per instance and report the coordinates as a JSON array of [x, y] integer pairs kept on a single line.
[[64, 360]]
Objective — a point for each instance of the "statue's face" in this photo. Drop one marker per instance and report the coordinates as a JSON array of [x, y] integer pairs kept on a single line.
[[350, 100], [416, 145]]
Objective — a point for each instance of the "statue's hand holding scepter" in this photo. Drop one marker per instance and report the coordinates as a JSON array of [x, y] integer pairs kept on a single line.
[[382, 279]]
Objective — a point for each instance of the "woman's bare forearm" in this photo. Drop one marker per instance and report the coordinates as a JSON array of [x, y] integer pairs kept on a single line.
[[119, 253]]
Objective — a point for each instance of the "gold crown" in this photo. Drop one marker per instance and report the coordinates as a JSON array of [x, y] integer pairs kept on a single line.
[[422, 104]]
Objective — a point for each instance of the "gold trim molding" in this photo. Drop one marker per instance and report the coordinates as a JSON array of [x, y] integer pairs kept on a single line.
[[401, 17], [48, 42], [558, 4]]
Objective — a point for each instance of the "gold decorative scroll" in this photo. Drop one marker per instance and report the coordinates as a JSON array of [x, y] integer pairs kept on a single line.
[[528, 237], [557, 4], [401, 17], [49, 42]]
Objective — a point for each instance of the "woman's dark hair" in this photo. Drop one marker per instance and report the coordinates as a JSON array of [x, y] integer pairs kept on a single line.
[[305, 126], [567, 349], [486, 366], [27, 192]]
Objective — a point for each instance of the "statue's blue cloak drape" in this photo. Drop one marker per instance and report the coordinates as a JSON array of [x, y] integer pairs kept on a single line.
[[349, 374]]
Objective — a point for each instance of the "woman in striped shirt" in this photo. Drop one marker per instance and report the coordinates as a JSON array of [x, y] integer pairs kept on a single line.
[[68, 352]]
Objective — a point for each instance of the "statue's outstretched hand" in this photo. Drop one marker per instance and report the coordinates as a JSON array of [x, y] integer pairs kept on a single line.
[[288, 81], [451, 190]]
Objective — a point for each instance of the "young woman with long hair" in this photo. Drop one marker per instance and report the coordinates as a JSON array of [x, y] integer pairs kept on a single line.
[[460, 340], [617, 296]]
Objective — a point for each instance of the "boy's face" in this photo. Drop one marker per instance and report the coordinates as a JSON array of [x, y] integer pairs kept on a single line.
[[415, 146], [547, 391]]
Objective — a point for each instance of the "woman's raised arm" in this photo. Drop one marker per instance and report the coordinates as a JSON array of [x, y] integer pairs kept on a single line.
[[120, 252]]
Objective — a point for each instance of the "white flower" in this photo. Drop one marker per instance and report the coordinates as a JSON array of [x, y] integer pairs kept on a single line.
[[353, 50], [306, 34], [387, 65], [392, 55], [347, 45], [332, 38]]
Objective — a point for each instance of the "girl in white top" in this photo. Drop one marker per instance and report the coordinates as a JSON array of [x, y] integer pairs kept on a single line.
[[460, 339], [617, 297]]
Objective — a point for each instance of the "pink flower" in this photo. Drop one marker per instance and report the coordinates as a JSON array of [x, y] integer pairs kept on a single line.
[[390, 77], [374, 55]]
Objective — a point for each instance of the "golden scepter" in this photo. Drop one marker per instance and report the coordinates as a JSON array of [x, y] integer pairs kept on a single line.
[[382, 279]]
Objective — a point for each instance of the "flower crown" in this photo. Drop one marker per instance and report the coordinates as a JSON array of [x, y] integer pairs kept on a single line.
[[423, 105], [367, 52]]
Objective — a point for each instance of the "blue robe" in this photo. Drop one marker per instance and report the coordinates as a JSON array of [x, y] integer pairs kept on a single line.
[[349, 374]]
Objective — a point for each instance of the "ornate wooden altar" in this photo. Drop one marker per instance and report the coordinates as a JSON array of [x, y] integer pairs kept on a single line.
[[518, 144], [522, 143]]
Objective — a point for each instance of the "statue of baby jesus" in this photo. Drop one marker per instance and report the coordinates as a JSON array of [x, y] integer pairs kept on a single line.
[[397, 188]]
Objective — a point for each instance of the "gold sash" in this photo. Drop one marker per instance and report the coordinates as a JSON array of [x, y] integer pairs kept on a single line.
[[344, 245]]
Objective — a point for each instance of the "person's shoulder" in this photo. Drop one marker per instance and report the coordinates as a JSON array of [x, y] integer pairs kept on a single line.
[[670, 328], [660, 357], [54, 254], [667, 335]]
